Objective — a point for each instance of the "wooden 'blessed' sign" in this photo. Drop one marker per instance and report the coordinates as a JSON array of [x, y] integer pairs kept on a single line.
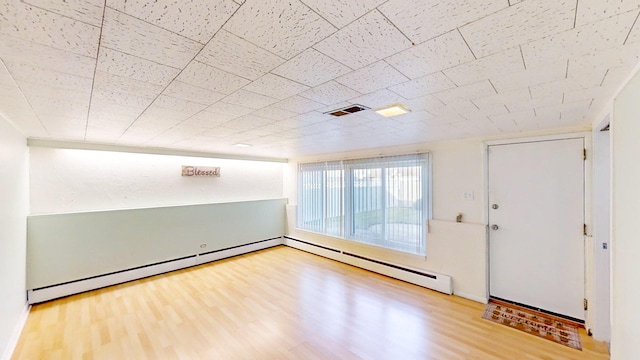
[[200, 171]]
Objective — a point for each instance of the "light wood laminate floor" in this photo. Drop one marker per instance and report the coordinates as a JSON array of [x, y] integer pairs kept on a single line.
[[278, 303]]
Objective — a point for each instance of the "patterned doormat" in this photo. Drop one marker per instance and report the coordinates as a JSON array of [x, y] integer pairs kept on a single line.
[[534, 323]]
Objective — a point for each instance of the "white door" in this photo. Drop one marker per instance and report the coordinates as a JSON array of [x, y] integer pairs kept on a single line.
[[536, 219]]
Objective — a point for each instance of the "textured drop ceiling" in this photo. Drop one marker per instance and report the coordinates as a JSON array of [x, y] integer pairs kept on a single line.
[[204, 75]]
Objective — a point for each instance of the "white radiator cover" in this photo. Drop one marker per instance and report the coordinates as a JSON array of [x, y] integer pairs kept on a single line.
[[57, 291], [427, 279], [434, 281]]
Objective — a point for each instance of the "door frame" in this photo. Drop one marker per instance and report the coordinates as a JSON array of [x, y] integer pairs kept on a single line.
[[587, 195]]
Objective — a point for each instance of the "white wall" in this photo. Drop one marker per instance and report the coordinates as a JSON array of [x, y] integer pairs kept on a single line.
[[71, 180], [625, 226], [14, 202]]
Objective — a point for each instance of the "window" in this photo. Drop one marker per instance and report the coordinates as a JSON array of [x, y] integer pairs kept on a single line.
[[379, 201]]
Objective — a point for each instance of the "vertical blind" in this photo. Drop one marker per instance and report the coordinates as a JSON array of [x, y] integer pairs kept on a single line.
[[380, 201]]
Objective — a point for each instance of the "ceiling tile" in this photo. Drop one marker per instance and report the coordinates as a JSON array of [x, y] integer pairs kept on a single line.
[[342, 12], [116, 98], [424, 103], [311, 68], [195, 19], [46, 28], [208, 77], [592, 38], [104, 131], [379, 99], [169, 103], [519, 24], [634, 35], [247, 122], [374, 77], [616, 76], [467, 92], [121, 64], [351, 48], [498, 64], [593, 10], [424, 20], [558, 88], [107, 81], [180, 132], [15, 108], [565, 114], [522, 79], [274, 113], [312, 117], [184, 91], [139, 38], [586, 94], [52, 79], [73, 96], [477, 127], [284, 125], [517, 105], [88, 11], [286, 28], [510, 122], [298, 104], [225, 108], [469, 110], [249, 99], [232, 54], [208, 119], [422, 86], [276, 87], [66, 128], [60, 113], [145, 129], [500, 99], [330, 93], [440, 53], [626, 55], [17, 50]]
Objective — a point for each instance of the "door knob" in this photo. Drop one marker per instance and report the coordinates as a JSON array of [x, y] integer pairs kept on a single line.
[[495, 227], [494, 206]]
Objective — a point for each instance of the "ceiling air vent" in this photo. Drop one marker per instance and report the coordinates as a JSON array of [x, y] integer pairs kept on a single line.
[[347, 110]]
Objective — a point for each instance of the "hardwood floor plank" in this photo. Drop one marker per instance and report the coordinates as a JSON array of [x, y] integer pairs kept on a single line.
[[279, 303]]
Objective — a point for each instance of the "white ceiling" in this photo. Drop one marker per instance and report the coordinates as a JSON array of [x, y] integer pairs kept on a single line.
[[204, 75]]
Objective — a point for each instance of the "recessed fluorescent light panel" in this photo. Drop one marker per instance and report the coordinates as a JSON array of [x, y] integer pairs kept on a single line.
[[242, 145], [393, 110]]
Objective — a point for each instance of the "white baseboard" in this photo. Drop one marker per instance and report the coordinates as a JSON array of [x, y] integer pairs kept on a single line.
[[223, 254], [475, 298], [427, 279], [13, 341], [76, 287]]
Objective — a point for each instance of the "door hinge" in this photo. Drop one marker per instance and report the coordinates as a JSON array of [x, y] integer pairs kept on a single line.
[[585, 303], [584, 229], [584, 154]]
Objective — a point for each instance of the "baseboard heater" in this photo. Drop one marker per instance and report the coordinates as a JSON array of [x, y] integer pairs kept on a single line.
[[56, 291], [433, 281]]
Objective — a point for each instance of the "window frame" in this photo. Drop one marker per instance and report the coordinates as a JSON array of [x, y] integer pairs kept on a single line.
[[347, 215]]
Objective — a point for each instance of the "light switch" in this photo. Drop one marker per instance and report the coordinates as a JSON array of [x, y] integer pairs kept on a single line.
[[467, 195]]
